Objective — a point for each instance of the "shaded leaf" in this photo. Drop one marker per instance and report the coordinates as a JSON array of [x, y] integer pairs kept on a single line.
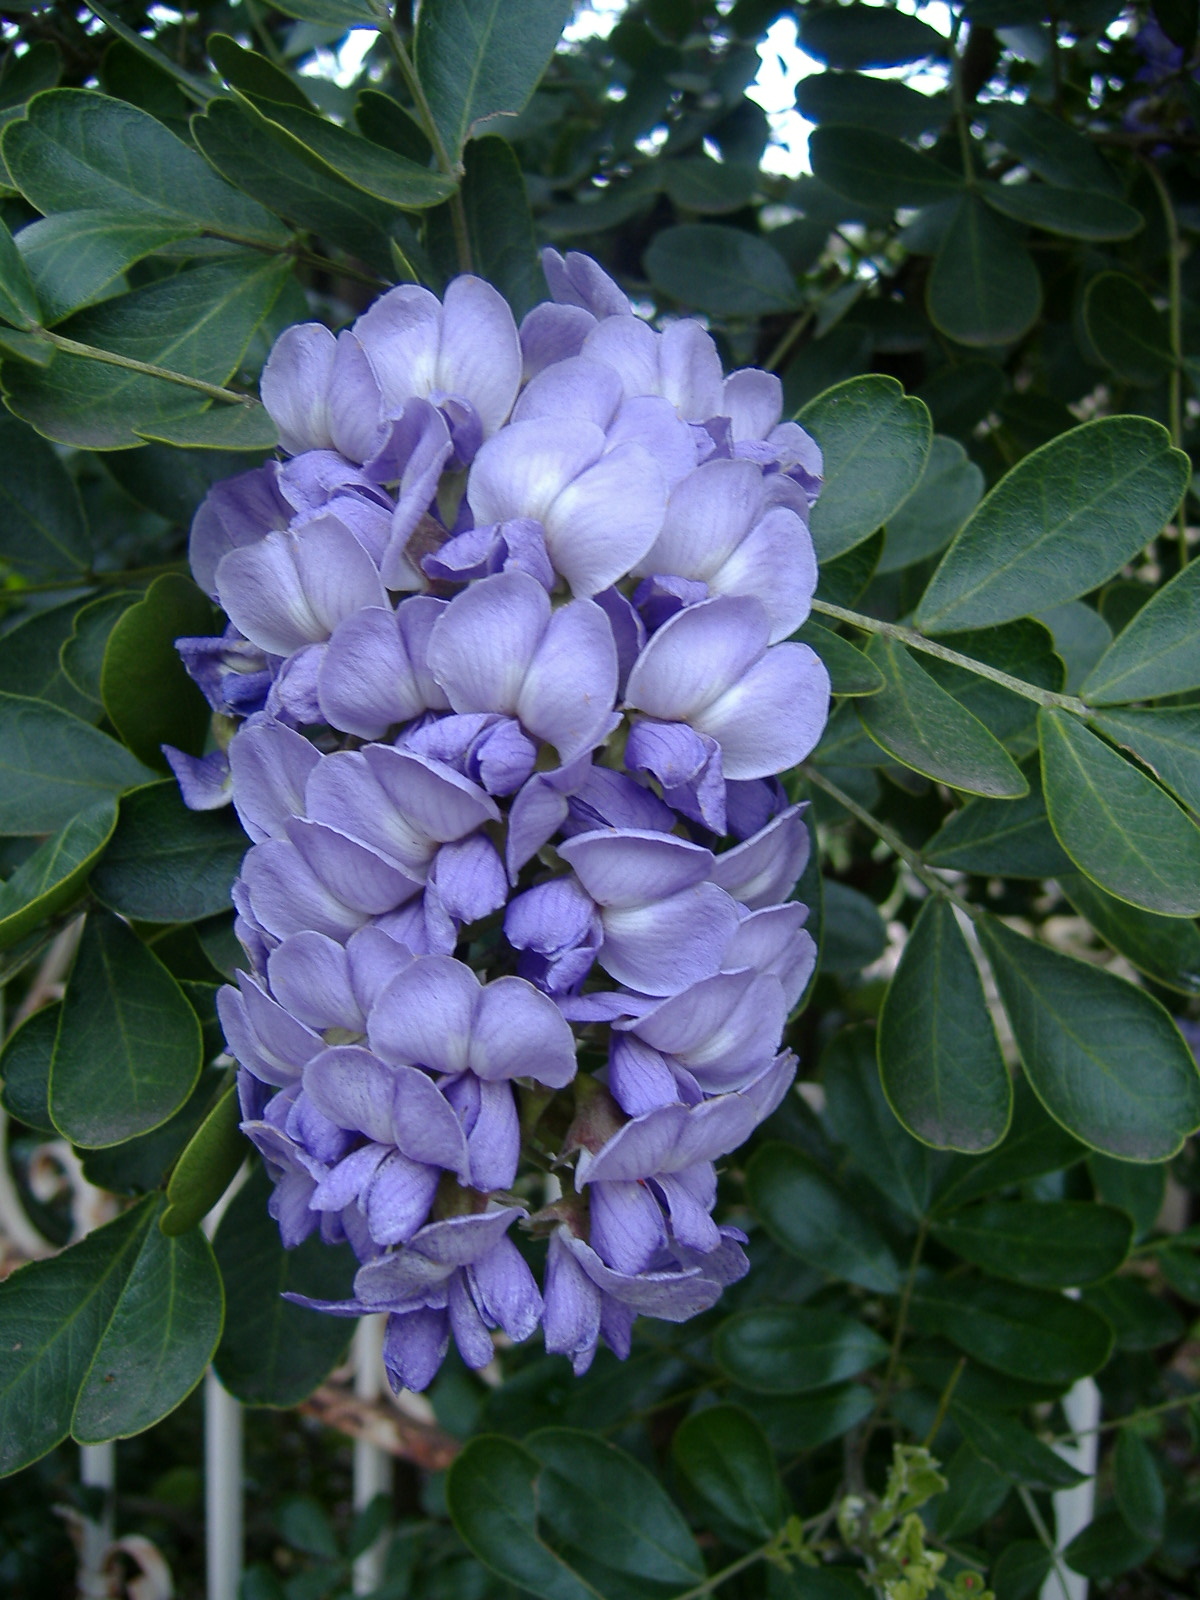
[[949, 490], [74, 257], [54, 875], [147, 692], [1129, 333], [806, 1214], [169, 864], [709, 267], [43, 530], [791, 1349], [25, 1070], [206, 1167], [1050, 1244], [1028, 1333], [1107, 1547], [1166, 949], [884, 104], [850, 671], [1076, 213], [54, 766], [1168, 742], [1004, 838], [1158, 652], [1138, 1486], [18, 296], [1011, 1449], [852, 931], [884, 1152], [867, 36], [984, 288], [500, 223], [1050, 147], [878, 170], [1035, 1144], [805, 1421], [726, 1458]]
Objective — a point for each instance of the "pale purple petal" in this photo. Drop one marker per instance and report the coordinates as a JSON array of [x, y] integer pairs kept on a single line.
[[763, 870], [468, 1327], [664, 946], [295, 386], [494, 1141], [524, 468], [310, 975], [774, 940], [695, 657], [606, 518], [773, 716], [629, 631], [480, 353], [353, 1089], [630, 867], [482, 645], [753, 402], [397, 1197], [673, 1296], [461, 1241], [626, 1226], [286, 896], [630, 347], [375, 673], [400, 333], [689, 1197], [551, 333], [687, 764], [342, 1185], [356, 411], [638, 1077], [571, 1319], [275, 1053], [238, 512], [518, 1032], [725, 1030], [707, 517], [691, 370], [609, 799], [577, 280], [364, 879], [437, 800], [570, 686], [587, 390], [425, 1014], [469, 879], [506, 1290], [205, 782], [414, 1347], [776, 564]]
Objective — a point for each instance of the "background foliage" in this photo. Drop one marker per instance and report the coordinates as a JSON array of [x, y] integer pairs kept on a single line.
[[985, 304]]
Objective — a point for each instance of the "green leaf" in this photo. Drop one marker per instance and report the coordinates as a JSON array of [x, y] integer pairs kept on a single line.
[[884, 104], [492, 1491], [476, 58], [81, 656], [105, 1338], [793, 1423], [867, 36], [1107, 1547], [1138, 1191], [852, 932], [25, 1069], [1168, 742], [1129, 333], [1138, 1487], [726, 271], [359, 162], [1081, 636], [1011, 1449], [206, 1168], [875, 440], [52, 766], [723, 1454], [350, 13], [1104, 1057], [810, 1218], [253, 74], [924, 728], [1021, 1570], [274, 1353], [984, 288], [701, 184], [198, 323], [1034, 1146], [884, 1152], [1158, 652], [949, 490], [43, 530], [1027, 1333], [74, 257], [128, 1050], [1141, 1319], [142, 1164], [1116, 823], [221, 427], [976, 1493], [54, 875], [608, 1514], [1001, 838], [1050, 146], [1166, 949], [1050, 1244], [306, 193], [1061, 522], [939, 1058], [842, 580], [147, 692], [500, 223], [1076, 213], [18, 296], [877, 170], [791, 1349], [850, 671], [79, 150], [1024, 649], [169, 864]]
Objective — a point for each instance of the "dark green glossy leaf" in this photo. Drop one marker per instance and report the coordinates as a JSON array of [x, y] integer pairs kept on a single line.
[[1168, 742], [169, 864], [43, 531], [81, 656], [199, 323], [793, 1423], [500, 223], [221, 427], [976, 1493], [106, 1338], [875, 440], [852, 931], [53, 766], [253, 74], [1166, 949], [1011, 1449], [1158, 652], [1141, 1319], [75, 257], [128, 1050], [53, 876], [1081, 636], [1129, 333], [1107, 1547], [850, 671], [1104, 1057], [79, 150], [984, 288], [1050, 147], [709, 267], [1115, 823], [726, 1458], [1050, 1244], [147, 692], [1138, 1191], [25, 1070], [807, 1214], [791, 1349], [1061, 522], [841, 580], [30, 662], [1138, 1486], [1077, 213], [939, 1058], [18, 297], [206, 1167], [141, 1164], [476, 58], [1023, 649], [867, 36], [1035, 1145], [701, 184], [884, 104], [882, 1150], [1003, 838], [877, 170], [1021, 1570], [949, 490], [925, 728], [1028, 1333], [348, 13]]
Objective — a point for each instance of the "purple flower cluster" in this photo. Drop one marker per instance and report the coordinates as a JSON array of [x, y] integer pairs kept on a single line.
[[509, 646]]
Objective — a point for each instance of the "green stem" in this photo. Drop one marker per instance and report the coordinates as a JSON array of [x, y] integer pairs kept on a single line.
[[889, 1376], [782, 349], [1131, 1417], [1043, 1533], [458, 212], [918, 641], [893, 841], [93, 580], [960, 105], [1175, 324], [731, 1571], [960, 1367], [111, 359]]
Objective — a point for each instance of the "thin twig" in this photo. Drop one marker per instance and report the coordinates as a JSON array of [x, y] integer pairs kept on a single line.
[[110, 358], [1175, 326]]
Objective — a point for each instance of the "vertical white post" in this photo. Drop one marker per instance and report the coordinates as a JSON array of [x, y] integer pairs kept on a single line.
[[372, 1466], [222, 1465], [1073, 1508], [97, 1470]]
